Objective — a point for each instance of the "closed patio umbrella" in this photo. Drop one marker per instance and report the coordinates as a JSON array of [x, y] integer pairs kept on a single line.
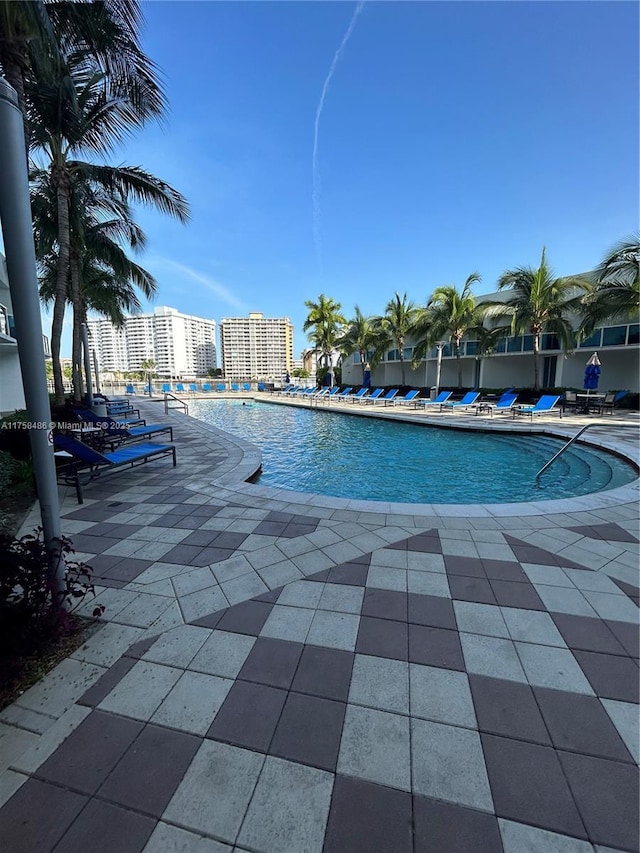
[[592, 373], [367, 376]]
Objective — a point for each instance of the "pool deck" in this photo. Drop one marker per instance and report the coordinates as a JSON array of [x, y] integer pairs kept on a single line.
[[277, 671]]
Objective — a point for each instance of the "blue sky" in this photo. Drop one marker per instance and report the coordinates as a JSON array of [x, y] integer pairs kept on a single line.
[[454, 137]]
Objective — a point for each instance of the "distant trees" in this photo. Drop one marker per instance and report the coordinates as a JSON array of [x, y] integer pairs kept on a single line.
[[616, 294], [324, 325], [394, 327], [360, 336]]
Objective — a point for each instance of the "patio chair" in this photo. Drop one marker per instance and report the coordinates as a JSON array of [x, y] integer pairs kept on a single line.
[[89, 463], [544, 405], [148, 389], [468, 400], [342, 395], [193, 388], [130, 389], [121, 420], [246, 386], [608, 404], [409, 397], [220, 387], [116, 429], [388, 397], [360, 393], [166, 388], [442, 397], [180, 387], [370, 398], [570, 402], [206, 387]]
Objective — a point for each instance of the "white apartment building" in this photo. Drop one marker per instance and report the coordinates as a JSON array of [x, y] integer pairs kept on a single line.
[[178, 344], [11, 393], [256, 347]]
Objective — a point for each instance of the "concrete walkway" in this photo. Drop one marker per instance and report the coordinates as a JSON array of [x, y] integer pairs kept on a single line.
[[288, 672]]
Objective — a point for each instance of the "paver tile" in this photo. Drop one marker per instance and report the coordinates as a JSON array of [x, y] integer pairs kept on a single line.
[[249, 715], [607, 796], [435, 611], [223, 654], [342, 598], [442, 827], [562, 600], [530, 626], [624, 716], [287, 622], [301, 594], [474, 618], [529, 786], [141, 690], [170, 839], [492, 656], [521, 838], [366, 817], [547, 666], [324, 672], [435, 647], [309, 731], [471, 589], [334, 630], [289, 808], [380, 683], [272, 662], [103, 828], [611, 676], [90, 753], [447, 764], [193, 702], [428, 583], [37, 816], [215, 791], [375, 747], [148, 774], [383, 638], [589, 634], [441, 695], [507, 708], [178, 646], [246, 618], [628, 636]]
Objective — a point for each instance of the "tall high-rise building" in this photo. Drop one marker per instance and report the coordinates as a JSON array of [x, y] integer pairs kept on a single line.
[[256, 347], [176, 343]]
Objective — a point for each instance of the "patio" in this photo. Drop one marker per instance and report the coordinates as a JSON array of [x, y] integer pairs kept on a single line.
[[283, 672]]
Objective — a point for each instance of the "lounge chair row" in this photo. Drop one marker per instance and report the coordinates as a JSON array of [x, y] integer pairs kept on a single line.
[[120, 440]]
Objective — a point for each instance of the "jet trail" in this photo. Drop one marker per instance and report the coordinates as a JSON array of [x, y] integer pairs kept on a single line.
[[317, 236]]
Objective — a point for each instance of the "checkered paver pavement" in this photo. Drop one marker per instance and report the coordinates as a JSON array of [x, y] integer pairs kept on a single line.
[[273, 680]]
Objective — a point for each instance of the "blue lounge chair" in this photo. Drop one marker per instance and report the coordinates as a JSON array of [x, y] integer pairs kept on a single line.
[[121, 420], [342, 395], [148, 389], [206, 387], [442, 397], [544, 405], [220, 387], [468, 400], [373, 395], [235, 386], [115, 429], [193, 387], [89, 463], [166, 388], [246, 386], [262, 386], [130, 389], [360, 393], [388, 398], [504, 404], [180, 387], [409, 397]]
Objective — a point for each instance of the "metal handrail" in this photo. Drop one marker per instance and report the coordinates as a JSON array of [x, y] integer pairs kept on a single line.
[[562, 449], [181, 403]]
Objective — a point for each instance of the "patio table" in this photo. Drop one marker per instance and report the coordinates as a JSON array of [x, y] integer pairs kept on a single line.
[[585, 398]]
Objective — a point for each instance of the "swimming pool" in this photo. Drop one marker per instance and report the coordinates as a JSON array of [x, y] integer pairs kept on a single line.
[[374, 459]]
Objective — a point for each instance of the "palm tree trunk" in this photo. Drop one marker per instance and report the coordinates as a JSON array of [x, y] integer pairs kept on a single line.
[[14, 75], [78, 314], [62, 185], [458, 361], [536, 362]]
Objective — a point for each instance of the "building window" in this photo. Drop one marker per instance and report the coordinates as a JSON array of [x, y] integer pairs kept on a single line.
[[634, 334], [614, 336], [593, 340], [514, 344]]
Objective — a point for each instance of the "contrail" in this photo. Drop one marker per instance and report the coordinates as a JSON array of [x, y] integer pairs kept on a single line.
[[317, 236]]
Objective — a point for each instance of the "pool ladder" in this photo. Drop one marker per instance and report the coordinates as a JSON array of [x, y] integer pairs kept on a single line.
[[562, 449], [180, 403]]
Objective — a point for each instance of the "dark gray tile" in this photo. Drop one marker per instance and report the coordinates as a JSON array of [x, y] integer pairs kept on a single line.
[[37, 816], [507, 708], [188, 522], [450, 828], [579, 723], [611, 531], [230, 540], [586, 633], [324, 672], [354, 574], [607, 796], [504, 570], [103, 562], [515, 594], [471, 589], [103, 828], [628, 635], [292, 530], [90, 753], [211, 555], [182, 554], [435, 647], [432, 610], [148, 774], [200, 537], [309, 731], [248, 716], [140, 647], [383, 638], [270, 528], [385, 604], [272, 662], [206, 511], [248, 617], [93, 544], [105, 684], [528, 785], [365, 817], [611, 676], [426, 543], [470, 567], [128, 569]]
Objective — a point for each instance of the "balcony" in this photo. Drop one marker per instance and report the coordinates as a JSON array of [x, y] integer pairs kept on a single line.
[[7, 329]]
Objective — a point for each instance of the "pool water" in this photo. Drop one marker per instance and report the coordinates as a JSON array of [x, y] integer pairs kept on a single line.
[[373, 459]]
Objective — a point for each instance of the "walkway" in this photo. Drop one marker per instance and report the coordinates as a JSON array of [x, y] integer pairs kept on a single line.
[[282, 672]]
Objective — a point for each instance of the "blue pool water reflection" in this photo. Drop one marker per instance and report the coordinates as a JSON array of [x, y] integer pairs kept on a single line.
[[373, 459]]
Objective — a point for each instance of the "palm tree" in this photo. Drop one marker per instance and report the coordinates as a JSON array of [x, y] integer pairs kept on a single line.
[[451, 314], [616, 295], [324, 324], [538, 303], [394, 327], [360, 337]]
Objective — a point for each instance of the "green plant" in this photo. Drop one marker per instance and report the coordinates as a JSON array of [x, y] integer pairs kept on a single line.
[[7, 470], [29, 614]]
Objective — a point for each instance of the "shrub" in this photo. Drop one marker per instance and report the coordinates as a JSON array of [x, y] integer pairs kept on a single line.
[[28, 613]]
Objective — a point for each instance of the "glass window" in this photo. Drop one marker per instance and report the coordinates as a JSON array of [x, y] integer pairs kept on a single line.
[[593, 340], [471, 347], [634, 334], [501, 345], [392, 355], [550, 341], [514, 344], [356, 358], [527, 343], [408, 352], [614, 336]]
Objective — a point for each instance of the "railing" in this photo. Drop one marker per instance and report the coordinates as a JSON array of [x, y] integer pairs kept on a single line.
[[562, 449], [168, 396]]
